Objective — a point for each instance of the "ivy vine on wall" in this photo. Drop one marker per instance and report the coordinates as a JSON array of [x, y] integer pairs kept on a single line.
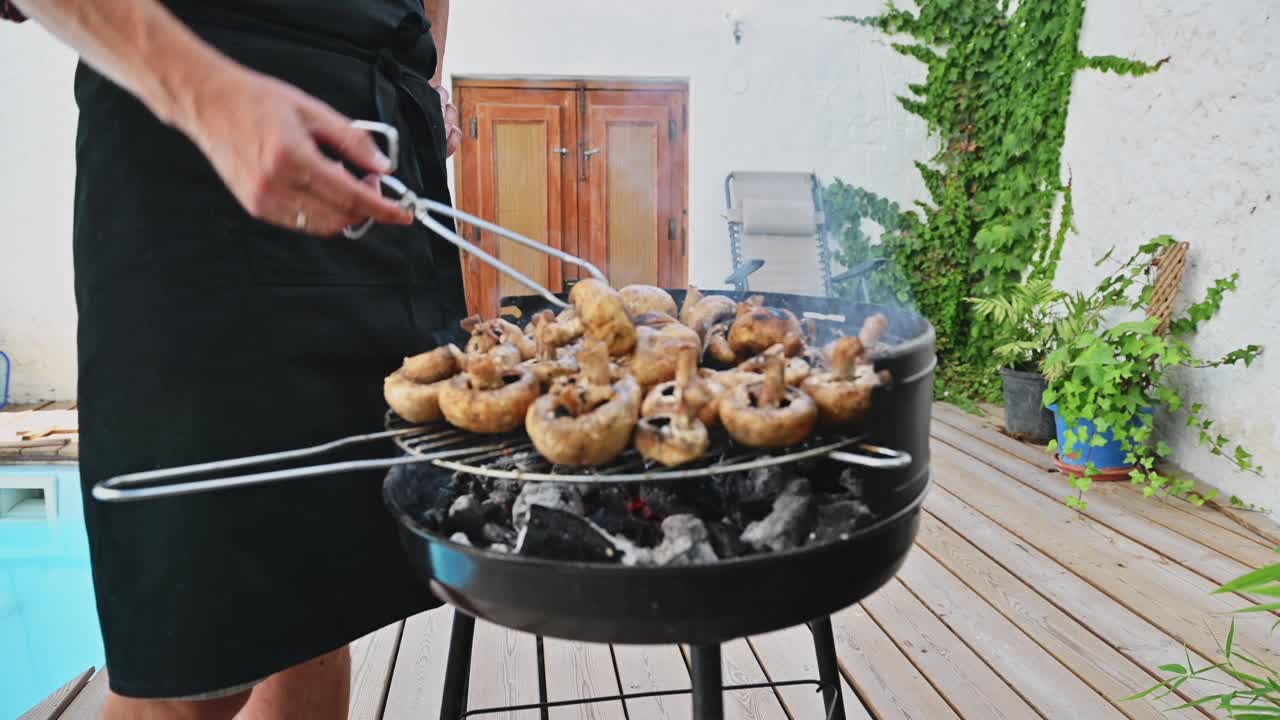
[[995, 96]]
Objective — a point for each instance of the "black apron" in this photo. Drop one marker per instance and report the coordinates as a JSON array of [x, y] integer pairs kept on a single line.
[[205, 334]]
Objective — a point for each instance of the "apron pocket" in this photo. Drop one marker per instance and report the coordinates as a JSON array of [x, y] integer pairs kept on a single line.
[[383, 257]]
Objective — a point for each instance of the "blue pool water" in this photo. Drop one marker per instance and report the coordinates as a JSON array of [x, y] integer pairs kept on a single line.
[[48, 625]]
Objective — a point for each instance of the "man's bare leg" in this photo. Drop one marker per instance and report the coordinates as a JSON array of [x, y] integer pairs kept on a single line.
[[319, 689], [122, 708]]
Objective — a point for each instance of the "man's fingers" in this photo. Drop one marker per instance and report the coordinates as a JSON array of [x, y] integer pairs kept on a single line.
[[300, 211], [350, 197], [450, 115], [357, 146]]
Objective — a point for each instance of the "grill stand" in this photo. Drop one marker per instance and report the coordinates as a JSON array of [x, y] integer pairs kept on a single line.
[[707, 691]]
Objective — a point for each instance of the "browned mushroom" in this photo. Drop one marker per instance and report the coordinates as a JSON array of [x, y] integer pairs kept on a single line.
[[585, 419], [873, 328], [641, 299], [677, 435], [413, 390], [660, 339], [796, 369], [492, 392], [716, 346], [757, 327], [844, 394], [511, 334], [548, 363], [666, 398], [604, 317], [706, 312], [768, 413]]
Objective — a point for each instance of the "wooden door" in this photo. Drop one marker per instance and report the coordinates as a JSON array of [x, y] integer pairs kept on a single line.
[[597, 170], [633, 210], [518, 170]]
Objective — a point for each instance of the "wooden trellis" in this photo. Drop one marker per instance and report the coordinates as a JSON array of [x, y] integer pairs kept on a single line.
[[1169, 267]]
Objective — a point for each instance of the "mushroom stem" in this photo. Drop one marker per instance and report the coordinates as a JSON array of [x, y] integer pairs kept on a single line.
[[593, 359], [774, 388], [686, 366], [845, 356], [872, 329]]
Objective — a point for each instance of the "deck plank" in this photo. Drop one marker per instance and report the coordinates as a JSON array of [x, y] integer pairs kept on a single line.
[[789, 655], [969, 685], [52, 707], [1175, 534], [1104, 668], [1036, 674], [372, 660], [886, 680], [88, 702], [654, 668], [1037, 457], [740, 667], [504, 671], [581, 670], [418, 678], [1161, 590]]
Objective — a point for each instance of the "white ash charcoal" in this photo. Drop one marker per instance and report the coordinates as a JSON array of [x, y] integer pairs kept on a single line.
[[684, 542], [555, 534], [553, 495], [465, 515], [751, 494], [525, 461], [495, 534], [726, 540], [838, 519], [850, 481], [461, 539], [499, 548], [497, 507], [789, 523]]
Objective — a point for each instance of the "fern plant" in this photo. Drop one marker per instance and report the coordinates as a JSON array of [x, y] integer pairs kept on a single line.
[[1024, 322]]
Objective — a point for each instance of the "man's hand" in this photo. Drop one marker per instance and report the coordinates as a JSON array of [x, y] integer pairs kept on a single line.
[[453, 133], [264, 137]]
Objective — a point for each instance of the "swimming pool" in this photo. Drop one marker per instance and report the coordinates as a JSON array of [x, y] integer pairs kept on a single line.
[[48, 625]]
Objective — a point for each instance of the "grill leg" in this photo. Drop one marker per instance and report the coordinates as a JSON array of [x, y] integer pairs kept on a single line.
[[457, 674], [824, 646], [708, 690]]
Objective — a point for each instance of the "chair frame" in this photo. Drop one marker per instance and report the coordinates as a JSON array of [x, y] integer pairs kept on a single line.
[[742, 268]]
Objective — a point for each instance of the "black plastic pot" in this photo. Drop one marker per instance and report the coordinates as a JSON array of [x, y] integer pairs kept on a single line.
[[1024, 412]]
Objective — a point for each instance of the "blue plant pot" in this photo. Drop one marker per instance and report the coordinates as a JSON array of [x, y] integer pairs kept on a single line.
[[1108, 458]]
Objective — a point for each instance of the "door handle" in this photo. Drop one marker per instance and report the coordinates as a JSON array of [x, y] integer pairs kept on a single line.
[[561, 151], [589, 153]]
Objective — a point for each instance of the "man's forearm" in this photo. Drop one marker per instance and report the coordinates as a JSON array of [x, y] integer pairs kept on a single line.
[[138, 44], [438, 14]]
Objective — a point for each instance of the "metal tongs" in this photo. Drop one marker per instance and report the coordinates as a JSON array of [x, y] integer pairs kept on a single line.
[[422, 209]]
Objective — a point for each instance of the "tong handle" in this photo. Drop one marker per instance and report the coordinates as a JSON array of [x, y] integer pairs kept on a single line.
[[872, 456]]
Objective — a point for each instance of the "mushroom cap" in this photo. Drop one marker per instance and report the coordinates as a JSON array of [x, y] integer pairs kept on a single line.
[[667, 440], [717, 348], [659, 342], [841, 403], [493, 411], [708, 312], [640, 299], [756, 328], [414, 401], [665, 399], [604, 317], [592, 438], [767, 427], [431, 366], [796, 369]]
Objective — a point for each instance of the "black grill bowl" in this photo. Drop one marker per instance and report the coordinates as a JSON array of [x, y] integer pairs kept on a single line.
[[712, 603]]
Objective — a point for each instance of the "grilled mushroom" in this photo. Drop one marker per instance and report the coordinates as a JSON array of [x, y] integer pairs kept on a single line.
[[716, 347], [640, 299], [795, 371], [413, 390], [666, 398], [873, 328], [549, 364], [844, 394], [586, 419], [677, 435], [492, 393], [604, 317], [660, 340], [702, 313], [768, 413], [756, 328]]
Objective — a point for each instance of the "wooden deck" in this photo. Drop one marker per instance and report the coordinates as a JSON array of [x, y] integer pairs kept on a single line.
[[1011, 606]]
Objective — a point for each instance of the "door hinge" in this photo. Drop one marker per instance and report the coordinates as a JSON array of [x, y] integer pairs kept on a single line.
[[671, 230], [475, 128], [672, 130]]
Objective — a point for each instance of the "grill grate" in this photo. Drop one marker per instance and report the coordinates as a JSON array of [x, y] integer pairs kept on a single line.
[[513, 457]]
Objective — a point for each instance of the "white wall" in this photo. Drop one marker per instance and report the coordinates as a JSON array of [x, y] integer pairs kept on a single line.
[[1194, 151], [37, 173], [800, 93]]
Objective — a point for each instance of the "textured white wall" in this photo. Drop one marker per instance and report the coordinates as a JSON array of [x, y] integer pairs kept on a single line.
[[1194, 151], [37, 172]]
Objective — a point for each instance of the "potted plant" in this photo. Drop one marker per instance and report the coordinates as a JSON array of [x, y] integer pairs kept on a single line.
[[1027, 324], [1106, 380]]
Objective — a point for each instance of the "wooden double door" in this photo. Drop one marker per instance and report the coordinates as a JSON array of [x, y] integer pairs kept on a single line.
[[598, 170]]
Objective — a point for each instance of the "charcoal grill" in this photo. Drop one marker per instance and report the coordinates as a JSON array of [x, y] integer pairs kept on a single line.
[[698, 605]]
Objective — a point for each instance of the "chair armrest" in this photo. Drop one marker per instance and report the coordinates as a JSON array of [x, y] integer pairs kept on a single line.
[[739, 276], [860, 269]]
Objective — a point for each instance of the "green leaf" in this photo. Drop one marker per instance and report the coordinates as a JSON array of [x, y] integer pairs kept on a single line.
[[1257, 578]]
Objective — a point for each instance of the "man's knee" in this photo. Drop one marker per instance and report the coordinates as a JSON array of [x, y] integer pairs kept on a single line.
[[118, 707]]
